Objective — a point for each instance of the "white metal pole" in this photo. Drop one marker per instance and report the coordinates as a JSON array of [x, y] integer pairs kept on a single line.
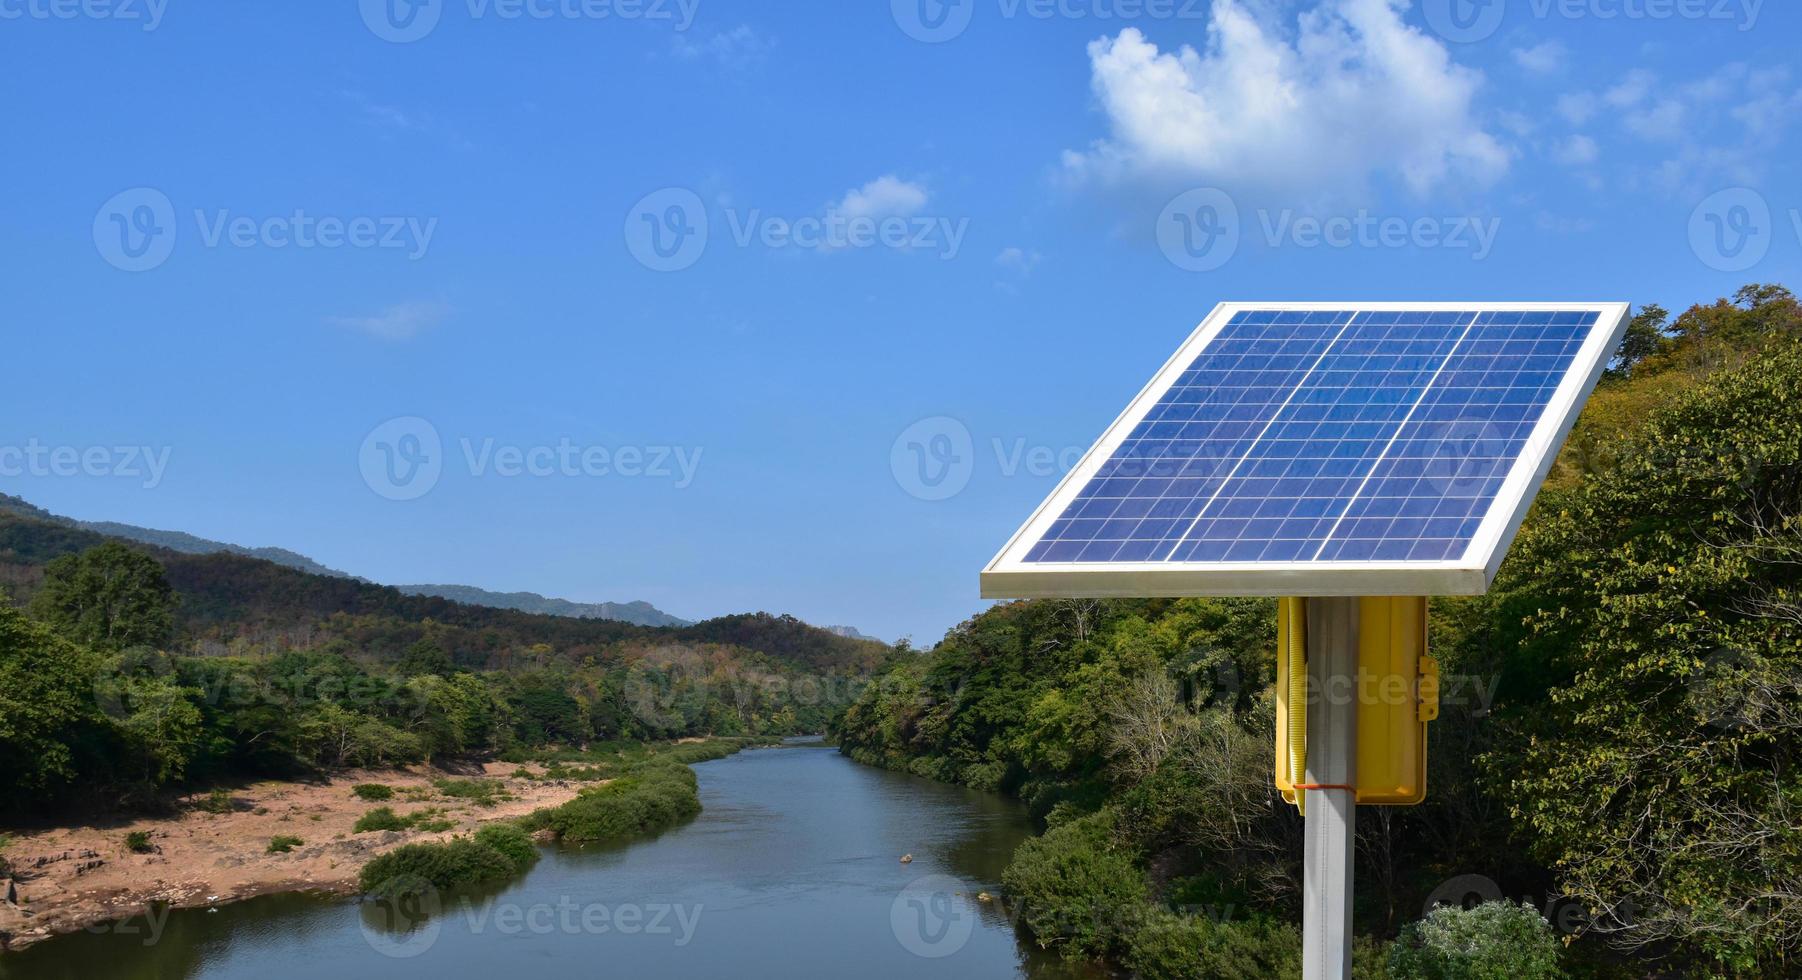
[[1331, 813]]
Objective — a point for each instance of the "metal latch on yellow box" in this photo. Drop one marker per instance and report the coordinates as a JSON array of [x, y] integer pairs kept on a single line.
[[1398, 694]]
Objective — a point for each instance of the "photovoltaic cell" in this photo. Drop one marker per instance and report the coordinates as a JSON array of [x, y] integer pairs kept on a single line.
[[1336, 436]]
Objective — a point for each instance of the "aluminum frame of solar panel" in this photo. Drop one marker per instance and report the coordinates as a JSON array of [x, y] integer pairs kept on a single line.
[[1009, 575]]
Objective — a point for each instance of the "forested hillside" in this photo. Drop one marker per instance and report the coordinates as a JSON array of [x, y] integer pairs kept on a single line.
[[128, 670], [1617, 744]]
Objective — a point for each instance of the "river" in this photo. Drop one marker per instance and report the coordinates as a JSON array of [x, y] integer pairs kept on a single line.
[[792, 870]]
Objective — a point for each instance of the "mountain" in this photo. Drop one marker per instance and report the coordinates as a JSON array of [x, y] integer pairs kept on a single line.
[[850, 632], [228, 602], [640, 612], [189, 544]]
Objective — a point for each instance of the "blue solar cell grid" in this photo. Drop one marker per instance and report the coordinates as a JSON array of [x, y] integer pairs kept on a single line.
[[1325, 436]]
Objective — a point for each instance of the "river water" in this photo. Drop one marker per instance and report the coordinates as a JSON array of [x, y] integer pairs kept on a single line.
[[792, 870]]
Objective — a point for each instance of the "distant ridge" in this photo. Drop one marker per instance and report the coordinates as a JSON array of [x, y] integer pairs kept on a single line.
[[640, 612]]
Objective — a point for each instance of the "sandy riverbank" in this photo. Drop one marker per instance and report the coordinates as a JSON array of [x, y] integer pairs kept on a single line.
[[73, 877]]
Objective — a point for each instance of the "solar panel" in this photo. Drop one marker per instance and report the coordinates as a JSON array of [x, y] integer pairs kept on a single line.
[[1324, 449]]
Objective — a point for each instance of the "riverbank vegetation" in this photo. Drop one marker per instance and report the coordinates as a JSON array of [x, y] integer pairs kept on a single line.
[[1616, 745], [644, 793], [117, 691], [494, 853]]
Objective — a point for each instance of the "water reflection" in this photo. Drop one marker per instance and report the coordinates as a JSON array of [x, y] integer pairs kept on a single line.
[[792, 869]]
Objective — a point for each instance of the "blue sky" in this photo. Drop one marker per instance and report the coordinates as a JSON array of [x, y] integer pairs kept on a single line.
[[799, 307]]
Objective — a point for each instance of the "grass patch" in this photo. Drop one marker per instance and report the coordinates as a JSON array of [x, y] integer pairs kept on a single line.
[[373, 792], [430, 819], [138, 842], [282, 844], [218, 801], [482, 792]]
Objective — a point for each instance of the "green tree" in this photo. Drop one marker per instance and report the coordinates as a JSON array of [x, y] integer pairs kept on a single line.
[[46, 699], [425, 657], [1647, 336], [1658, 771], [108, 598], [163, 727]]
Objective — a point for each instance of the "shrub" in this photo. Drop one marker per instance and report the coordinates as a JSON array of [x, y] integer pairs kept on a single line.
[[457, 862], [381, 818], [218, 801], [282, 844], [138, 842], [654, 798], [373, 792], [1165, 944], [1494, 941], [1076, 886], [510, 841]]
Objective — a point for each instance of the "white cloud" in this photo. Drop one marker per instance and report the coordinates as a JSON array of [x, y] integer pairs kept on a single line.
[[1577, 108], [1018, 260], [1355, 94], [402, 322], [737, 49], [1662, 120], [1579, 150], [1632, 88], [886, 196], [1541, 59]]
